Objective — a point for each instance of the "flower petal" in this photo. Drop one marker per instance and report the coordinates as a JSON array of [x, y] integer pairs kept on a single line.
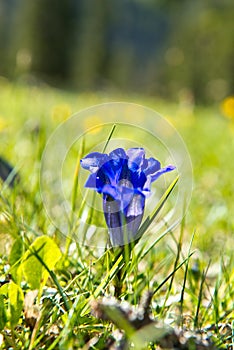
[[147, 187], [162, 171], [122, 229], [91, 182], [138, 179], [124, 179], [110, 172], [137, 205], [117, 154], [127, 194], [133, 224], [102, 177], [112, 211], [111, 191], [153, 165], [94, 161], [120, 236], [136, 158]]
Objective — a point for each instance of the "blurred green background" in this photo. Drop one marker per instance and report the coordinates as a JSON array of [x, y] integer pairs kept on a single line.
[[177, 57], [182, 50]]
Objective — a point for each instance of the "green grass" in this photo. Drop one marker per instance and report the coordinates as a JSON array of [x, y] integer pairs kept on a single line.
[[188, 270]]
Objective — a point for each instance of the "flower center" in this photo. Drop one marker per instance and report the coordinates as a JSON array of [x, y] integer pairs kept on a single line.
[[125, 183]]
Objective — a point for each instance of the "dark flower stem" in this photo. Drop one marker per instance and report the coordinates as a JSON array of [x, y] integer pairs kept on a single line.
[[118, 282], [125, 251]]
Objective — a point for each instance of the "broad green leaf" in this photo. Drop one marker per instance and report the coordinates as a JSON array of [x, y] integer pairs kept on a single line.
[[38, 260], [16, 251], [16, 300], [14, 259], [4, 290], [15, 297], [3, 316]]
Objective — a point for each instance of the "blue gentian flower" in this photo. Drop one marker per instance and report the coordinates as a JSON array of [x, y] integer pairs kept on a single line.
[[124, 180]]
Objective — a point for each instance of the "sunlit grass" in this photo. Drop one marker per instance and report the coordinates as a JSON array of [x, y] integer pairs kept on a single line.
[[194, 291]]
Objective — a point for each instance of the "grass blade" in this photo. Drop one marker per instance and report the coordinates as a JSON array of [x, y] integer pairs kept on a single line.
[[172, 273], [203, 278], [109, 138], [185, 278], [148, 221], [106, 280]]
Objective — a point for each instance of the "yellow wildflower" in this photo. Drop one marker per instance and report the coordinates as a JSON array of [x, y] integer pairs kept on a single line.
[[3, 124], [61, 112], [227, 107], [91, 122]]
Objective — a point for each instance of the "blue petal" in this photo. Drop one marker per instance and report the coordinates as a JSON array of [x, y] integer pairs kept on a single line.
[[117, 236], [111, 191], [92, 182], [114, 220], [147, 187], [138, 179], [125, 172], [117, 154], [126, 233], [124, 179], [137, 205], [110, 171], [112, 212], [102, 177], [133, 224], [94, 161], [153, 165], [162, 171], [126, 196], [122, 229], [136, 158]]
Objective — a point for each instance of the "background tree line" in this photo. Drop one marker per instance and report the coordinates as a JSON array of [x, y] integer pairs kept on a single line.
[[166, 48]]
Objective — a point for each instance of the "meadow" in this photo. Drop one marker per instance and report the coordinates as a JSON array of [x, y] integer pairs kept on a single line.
[[55, 293]]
